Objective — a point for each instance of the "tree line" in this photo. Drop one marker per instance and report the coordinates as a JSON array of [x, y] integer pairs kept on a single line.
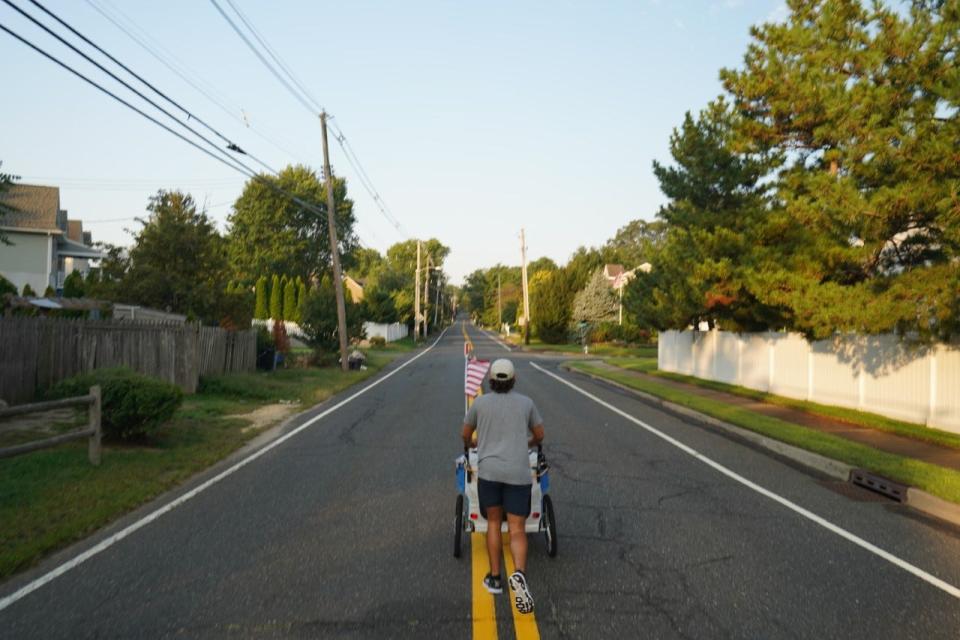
[[273, 261]]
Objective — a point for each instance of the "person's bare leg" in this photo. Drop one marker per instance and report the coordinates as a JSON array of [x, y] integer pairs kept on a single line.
[[494, 520], [518, 540]]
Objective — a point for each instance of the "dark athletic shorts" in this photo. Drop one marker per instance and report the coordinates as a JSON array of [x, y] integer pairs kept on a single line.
[[514, 498]]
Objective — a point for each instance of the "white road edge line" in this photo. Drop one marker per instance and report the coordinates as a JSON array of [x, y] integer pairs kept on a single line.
[[170, 506], [495, 339], [826, 524]]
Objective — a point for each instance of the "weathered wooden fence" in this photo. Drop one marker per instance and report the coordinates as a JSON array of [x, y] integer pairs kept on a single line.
[[36, 353]]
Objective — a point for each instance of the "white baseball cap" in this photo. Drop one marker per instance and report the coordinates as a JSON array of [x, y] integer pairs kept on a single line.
[[501, 369]]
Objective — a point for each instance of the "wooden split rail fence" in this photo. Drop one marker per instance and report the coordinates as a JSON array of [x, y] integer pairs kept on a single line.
[[93, 430]]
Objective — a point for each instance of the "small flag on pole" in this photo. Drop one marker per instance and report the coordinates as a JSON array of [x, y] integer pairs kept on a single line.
[[476, 371]]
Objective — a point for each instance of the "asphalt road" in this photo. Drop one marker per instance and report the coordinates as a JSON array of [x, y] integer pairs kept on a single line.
[[345, 530]]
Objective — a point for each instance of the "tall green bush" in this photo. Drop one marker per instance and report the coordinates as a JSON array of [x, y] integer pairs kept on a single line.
[[290, 300], [276, 299], [7, 287], [73, 285], [302, 293], [134, 405], [261, 311], [28, 291], [551, 306]]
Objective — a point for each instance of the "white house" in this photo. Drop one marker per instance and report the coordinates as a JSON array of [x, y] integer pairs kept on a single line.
[[46, 247]]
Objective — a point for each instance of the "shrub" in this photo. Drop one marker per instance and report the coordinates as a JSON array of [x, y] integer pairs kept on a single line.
[[28, 291], [7, 287], [378, 341], [134, 405]]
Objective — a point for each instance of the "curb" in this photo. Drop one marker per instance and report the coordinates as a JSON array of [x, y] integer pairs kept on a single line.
[[915, 498]]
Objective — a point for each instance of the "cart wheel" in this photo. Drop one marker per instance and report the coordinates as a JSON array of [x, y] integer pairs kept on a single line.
[[551, 529], [458, 534]]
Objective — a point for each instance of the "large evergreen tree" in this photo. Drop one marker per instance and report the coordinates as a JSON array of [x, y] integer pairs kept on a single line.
[[861, 101], [178, 261]]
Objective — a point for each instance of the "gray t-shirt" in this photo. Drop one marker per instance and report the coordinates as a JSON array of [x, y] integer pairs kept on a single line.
[[504, 422]]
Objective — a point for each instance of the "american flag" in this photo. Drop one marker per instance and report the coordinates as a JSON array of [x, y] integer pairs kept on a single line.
[[473, 378]]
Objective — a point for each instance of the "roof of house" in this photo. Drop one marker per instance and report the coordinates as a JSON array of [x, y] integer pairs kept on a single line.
[[611, 271], [35, 207]]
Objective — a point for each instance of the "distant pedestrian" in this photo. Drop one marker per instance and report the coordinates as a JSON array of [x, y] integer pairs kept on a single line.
[[507, 425]]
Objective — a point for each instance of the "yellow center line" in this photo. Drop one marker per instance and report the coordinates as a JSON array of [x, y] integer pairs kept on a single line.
[[484, 611], [525, 624]]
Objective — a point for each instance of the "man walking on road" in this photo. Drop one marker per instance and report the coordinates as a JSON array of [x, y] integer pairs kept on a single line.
[[507, 424]]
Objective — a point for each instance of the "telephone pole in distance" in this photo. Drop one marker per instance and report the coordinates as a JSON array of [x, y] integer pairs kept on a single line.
[[526, 292]]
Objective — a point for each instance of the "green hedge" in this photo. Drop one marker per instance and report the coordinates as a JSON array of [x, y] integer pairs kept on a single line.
[[134, 405]]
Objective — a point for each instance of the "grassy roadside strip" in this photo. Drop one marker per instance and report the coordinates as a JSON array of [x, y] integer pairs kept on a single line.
[[596, 350], [939, 481], [54, 497]]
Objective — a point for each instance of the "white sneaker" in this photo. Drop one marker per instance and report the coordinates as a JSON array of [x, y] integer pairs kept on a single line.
[[521, 593]]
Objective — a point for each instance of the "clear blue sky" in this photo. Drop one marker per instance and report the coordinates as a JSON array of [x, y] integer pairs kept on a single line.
[[472, 119]]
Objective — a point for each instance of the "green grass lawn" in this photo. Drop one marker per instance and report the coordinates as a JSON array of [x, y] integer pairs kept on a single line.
[[939, 481], [53, 497], [601, 349]]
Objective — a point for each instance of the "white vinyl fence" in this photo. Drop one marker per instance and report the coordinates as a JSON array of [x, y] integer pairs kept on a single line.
[[879, 374], [389, 332]]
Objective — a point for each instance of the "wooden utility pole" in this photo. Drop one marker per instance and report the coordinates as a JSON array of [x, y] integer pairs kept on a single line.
[[436, 307], [526, 293], [334, 247], [426, 301], [416, 298], [499, 307]]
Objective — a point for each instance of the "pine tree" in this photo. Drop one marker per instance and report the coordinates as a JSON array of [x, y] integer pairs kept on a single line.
[[290, 300], [859, 100], [261, 310], [596, 302], [276, 299]]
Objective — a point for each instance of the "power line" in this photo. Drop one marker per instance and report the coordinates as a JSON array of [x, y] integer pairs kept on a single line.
[[304, 98], [276, 57], [230, 145], [259, 55], [230, 162], [57, 61], [171, 62]]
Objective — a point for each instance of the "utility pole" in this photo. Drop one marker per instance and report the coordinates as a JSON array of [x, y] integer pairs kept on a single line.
[[426, 301], [416, 299], [526, 293], [334, 250], [499, 307], [436, 307]]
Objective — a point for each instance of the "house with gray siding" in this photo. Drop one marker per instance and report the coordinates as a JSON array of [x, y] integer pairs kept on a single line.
[[46, 246]]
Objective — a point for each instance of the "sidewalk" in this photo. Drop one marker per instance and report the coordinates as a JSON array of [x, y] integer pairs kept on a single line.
[[888, 442]]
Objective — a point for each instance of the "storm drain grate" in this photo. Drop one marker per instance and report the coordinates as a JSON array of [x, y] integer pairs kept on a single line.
[[882, 486]]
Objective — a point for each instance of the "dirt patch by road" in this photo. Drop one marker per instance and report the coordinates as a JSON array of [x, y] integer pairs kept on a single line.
[[267, 415]]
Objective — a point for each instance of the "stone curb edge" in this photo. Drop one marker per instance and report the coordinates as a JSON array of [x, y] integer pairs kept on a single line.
[[915, 498]]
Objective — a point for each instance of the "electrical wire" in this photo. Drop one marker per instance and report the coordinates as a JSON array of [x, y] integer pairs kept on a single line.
[[234, 164], [171, 62], [304, 98], [259, 55], [133, 73], [231, 146], [228, 162], [275, 56]]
